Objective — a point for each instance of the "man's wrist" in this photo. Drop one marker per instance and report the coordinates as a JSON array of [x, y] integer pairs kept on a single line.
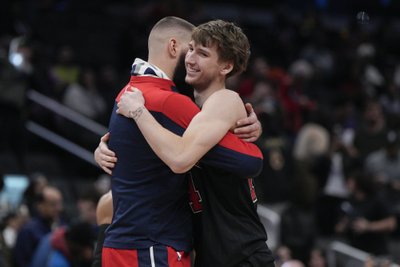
[[135, 114]]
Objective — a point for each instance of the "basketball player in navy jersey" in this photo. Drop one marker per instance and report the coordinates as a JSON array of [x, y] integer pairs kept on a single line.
[[231, 232], [151, 222]]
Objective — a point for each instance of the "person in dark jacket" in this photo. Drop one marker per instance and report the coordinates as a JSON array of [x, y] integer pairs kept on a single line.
[[68, 246]]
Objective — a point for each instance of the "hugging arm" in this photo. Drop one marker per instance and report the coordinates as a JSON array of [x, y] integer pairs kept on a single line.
[[205, 130], [231, 153]]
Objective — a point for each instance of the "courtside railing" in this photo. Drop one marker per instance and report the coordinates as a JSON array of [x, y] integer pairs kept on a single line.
[[271, 221], [65, 112], [340, 254]]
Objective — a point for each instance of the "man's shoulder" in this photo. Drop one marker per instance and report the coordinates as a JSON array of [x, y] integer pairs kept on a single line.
[[227, 104], [32, 227], [177, 107], [33, 223], [225, 96], [225, 93]]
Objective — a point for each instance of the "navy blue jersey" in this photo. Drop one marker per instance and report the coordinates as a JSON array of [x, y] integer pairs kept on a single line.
[[151, 204]]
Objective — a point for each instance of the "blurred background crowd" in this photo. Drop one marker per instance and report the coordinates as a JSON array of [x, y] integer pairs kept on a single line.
[[323, 78]]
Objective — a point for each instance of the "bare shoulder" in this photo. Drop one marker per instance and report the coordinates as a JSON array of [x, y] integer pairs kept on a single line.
[[227, 93], [226, 105], [225, 96]]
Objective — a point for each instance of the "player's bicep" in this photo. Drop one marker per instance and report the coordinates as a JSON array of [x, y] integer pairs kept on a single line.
[[232, 154], [217, 117]]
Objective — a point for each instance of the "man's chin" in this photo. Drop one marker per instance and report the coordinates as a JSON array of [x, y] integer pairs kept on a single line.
[[190, 81]]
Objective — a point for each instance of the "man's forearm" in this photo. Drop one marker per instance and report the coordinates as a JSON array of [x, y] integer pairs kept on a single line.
[[137, 113], [164, 143], [385, 225]]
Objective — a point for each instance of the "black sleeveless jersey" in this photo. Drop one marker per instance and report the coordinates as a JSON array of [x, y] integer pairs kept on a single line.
[[227, 229]]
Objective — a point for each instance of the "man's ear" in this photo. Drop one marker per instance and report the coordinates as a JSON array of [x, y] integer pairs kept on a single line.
[[226, 68], [173, 47]]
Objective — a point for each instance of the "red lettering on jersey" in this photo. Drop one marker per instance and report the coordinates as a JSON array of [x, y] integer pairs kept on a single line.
[[194, 196], [252, 190]]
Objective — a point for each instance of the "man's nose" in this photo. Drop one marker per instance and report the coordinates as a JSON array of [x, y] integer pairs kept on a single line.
[[189, 58]]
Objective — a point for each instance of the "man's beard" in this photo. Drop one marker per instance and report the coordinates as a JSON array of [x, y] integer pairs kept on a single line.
[[179, 78]]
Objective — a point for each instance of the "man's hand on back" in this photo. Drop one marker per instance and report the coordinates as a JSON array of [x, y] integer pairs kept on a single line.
[[104, 156], [249, 129]]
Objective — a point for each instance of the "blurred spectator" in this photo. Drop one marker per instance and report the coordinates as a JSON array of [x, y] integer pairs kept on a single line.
[[293, 263], [12, 223], [103, 184], [346, 119], [370, 262], [390, 100], [293, 95], [49, 205], [87, 203], [320, 55], [367, 217], [368, 73], [274, 183], [384, 164], [109, 85], [3, 206], [10, 226], [21, 54], [36, 185], [317, 258], [312, 141], [297, 230], [70, 246], [13, 84], [65, 71], [41, 79], [311, 144], [266, 104], [331, 171], [83, 96], [282, 255], [371, 135], [258, 71]]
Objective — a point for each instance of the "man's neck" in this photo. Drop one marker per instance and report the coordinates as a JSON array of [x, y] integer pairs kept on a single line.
[[167, 68], [201, 95]]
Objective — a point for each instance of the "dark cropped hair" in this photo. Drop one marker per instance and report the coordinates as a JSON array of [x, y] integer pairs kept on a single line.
[[173, 22]]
